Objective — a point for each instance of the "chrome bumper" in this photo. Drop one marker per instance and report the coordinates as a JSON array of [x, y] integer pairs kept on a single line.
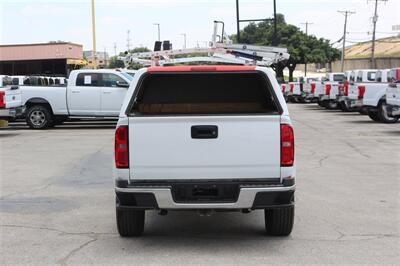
[[12, 112]]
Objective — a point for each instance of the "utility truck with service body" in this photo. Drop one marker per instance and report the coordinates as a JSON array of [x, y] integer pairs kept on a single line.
[[204, 138], [89, 94]]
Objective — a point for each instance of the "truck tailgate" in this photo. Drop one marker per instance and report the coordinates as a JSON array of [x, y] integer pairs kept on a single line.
[[164, 148], [12, 97]]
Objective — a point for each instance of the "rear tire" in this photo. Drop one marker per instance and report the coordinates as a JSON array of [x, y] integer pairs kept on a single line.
[[39, 117], [130, 222], [344, 107], [279, 222], [383, 114]]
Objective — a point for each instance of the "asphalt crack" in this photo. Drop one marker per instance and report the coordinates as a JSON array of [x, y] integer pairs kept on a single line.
[[64, 260]]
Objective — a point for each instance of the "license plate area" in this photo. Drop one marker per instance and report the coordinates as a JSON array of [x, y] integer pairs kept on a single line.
[[205, 193]]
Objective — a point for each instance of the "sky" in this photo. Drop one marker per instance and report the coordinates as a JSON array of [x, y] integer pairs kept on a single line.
[[37, 21]]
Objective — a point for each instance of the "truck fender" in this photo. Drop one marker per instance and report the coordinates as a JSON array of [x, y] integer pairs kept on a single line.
[[38, 101]]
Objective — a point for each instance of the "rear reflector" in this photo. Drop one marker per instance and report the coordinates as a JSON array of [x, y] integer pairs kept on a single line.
[[361, 91], [287, 145], [328, 88], [121, 147], [2, 101], [312, 87]]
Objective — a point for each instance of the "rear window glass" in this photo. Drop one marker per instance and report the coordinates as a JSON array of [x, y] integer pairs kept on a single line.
[[338, 77], [371, 75], [204, 93]]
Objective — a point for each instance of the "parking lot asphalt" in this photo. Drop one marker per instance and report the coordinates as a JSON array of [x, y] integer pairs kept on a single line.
[[57, 201]]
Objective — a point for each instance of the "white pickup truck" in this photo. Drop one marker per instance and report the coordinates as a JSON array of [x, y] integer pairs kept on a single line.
[[393, 94], [329, 90], [362, 77], [89, 93], [10, 99], [372, 97], [205, 138], [309, 89]]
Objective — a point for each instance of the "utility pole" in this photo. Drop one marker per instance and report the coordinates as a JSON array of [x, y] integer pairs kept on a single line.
[[374, 20], [128, 40], [184, 40], [105, 56], [305, 58], [158, 30], [115, 49], [274, 41], [346, 13], [237, 22], [94, 36]]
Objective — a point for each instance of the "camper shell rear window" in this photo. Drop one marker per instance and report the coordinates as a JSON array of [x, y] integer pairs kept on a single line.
[[204, 93]]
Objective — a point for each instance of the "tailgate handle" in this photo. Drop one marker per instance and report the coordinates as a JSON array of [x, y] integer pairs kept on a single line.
[[204, 132]]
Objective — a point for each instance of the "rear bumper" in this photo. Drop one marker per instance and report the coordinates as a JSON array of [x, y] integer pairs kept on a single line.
[[258, 196], [356, 103], [11, 112], [393, 110], [324, 97], [341, 98]]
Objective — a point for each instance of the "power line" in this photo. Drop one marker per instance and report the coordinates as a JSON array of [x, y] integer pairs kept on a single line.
[[346, 13]]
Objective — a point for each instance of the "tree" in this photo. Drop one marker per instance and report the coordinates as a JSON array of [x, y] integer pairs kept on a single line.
[[116, 63], [301, 47]]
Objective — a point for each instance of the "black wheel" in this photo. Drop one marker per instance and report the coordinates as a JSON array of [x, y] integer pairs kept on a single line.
[[344, 107], [130, 222], [374, 116], [383, 114], [279, 222], [39, 117]]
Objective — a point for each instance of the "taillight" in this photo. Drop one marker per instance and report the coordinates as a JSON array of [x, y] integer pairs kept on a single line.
[[2, 103], [312, 87], [121, 147], [283, 88], [287, 145], [291, 87], [361, 91], [340, 88], [346, 89], [328, 89]]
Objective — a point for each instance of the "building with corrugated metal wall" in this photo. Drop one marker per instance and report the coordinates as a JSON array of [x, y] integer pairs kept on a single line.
[[47, 59]]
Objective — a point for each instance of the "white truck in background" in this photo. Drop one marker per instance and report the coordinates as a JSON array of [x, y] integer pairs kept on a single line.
[[204, 138], [10, 99], [344, 90], [362, 76], [309, 89], [372, 97], [329, 90], [89, 94], [393, 95]]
